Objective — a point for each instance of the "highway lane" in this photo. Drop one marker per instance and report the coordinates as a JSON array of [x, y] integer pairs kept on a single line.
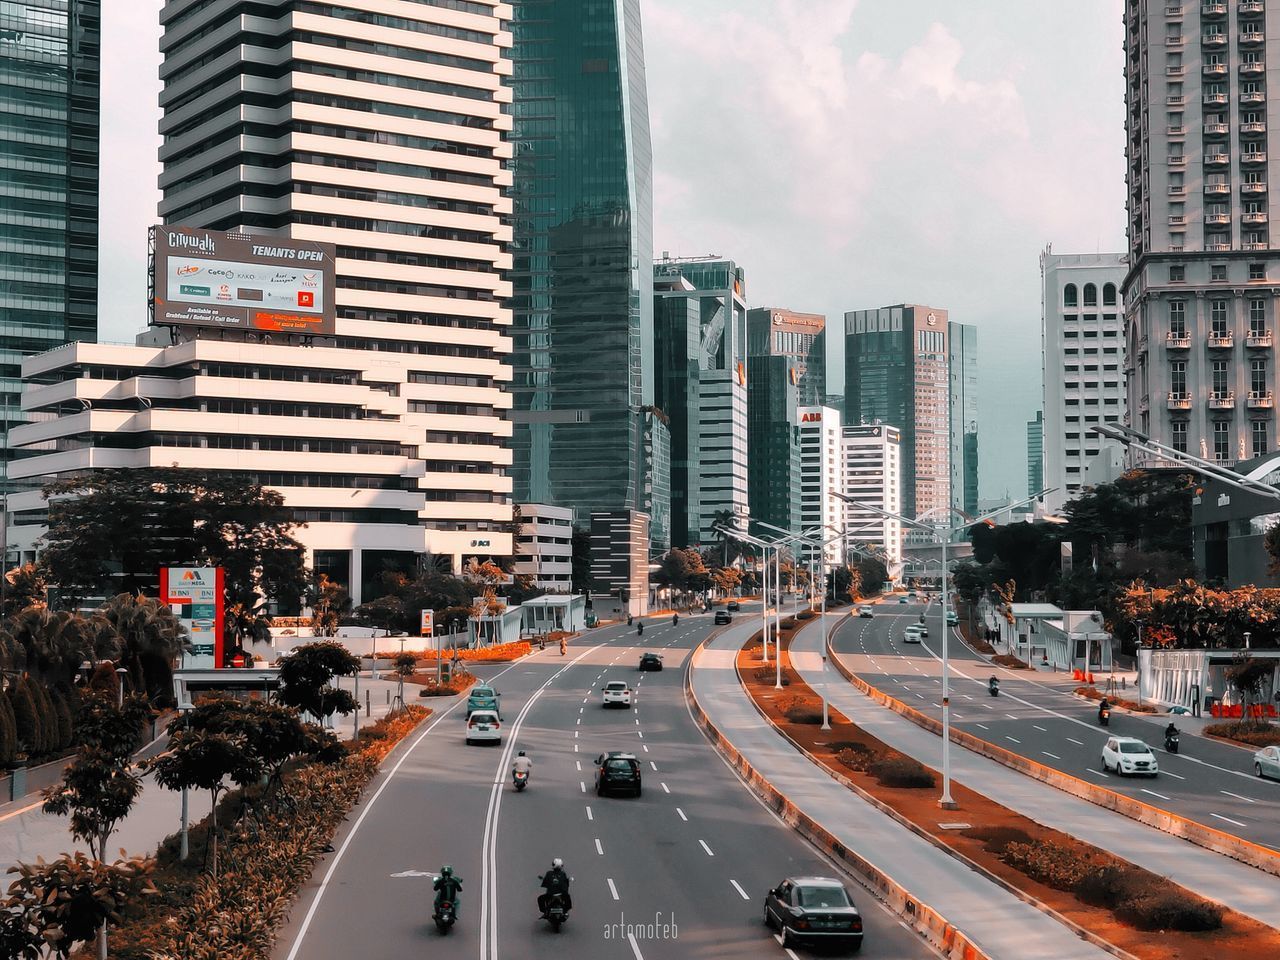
[[695, 850], [1208, 782]]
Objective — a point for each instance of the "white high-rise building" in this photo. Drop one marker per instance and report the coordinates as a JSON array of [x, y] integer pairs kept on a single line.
[[821, 474], [872, 474], [1083, 365], [544, 546], [377, 127]]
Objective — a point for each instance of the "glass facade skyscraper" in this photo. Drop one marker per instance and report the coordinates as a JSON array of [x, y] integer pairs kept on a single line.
[[963, 342], [582, 255], [49, 70]]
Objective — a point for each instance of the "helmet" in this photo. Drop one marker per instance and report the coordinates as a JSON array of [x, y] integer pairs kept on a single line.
[[446, 871], [520, 754], [557, 863]]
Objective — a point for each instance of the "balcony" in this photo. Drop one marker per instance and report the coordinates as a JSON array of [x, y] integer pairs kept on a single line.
[[1210, 70], [1215, 100], [1256, 157], [1217, 189], [1253, 38], [1253, 189], [1213, 10], [1179, 401], [1217, 159], [1221, 341], [1175, 131], [1252, 98], [1254, 218], [1177, 341], [1175, 101], [1178, 161], [1255, 245], [1173, 10], [1252, 7], [1216, 219], [1222, 400], [1253, 129], [1260, 400], [1210, 130], [1252, 70], [1175, 71], [1213, 41], [1216, 246], [1258, 341], [1175, 41]]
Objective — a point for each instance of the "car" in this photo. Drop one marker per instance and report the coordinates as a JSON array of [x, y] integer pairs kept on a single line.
[[865, 611], [723, 616], [814, 910], [902, 599], [952, 617], [616, 693], [650, 661], [1129, 755], [483, 726], [733, 606], [483, 697], [1266, 762], [617, 772], [913, 634]]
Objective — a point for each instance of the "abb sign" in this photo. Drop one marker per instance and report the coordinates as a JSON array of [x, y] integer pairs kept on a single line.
[[811, 418]]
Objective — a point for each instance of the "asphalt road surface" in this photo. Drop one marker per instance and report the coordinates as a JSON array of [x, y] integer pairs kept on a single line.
[[1209, 782], [679, 872]]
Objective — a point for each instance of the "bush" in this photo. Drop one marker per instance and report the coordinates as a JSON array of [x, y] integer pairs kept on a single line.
[[902, 772], [855, 756], [1006, 660], [804, 713], [997, 839], [1256, 734], [1114, 884], [1053, 864], [1170, 909], [769, 674]]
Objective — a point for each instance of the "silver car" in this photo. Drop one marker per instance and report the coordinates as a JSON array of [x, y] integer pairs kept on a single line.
[[1266, 762]]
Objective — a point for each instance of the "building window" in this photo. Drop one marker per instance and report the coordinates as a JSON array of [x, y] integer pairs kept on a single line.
[[1219, 376], [1178, 376], [1218, 271], [1090, 295], [1259, 437], [1177, 273], [1109, 295], [1070, 298], [1258, 376], [1221, 440], [1177, 318], [1179, 433], [1257, 317], [1217, 318], [1257, 271]]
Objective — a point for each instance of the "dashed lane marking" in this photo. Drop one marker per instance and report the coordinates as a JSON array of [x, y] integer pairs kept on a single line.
[[742, 893], [706, 848], [612, 889]]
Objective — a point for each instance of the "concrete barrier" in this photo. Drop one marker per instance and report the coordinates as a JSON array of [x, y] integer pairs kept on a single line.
[[945, 937], [1246, 852]]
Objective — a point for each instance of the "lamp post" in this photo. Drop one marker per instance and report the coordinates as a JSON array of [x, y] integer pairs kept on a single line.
[[943, 533], [121, 674], [764, 584]]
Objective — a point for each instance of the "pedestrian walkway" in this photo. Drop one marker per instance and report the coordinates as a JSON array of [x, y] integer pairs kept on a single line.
[[1005, 927], [1211, 875]]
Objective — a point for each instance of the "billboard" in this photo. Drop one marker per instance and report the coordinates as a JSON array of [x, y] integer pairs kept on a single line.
[[195, 595], [233, 281]]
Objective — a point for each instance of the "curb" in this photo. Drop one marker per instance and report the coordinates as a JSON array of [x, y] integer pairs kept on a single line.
[[1245, 851], [946, 938]]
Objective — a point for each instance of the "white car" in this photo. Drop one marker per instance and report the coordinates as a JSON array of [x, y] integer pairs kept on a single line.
[[865, 611], [913, 633], [1129, 755], [483, 726], [617, 694]]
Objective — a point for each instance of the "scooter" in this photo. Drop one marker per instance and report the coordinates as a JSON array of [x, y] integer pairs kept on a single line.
[[444, 916], [640, 628], [1104, 716], [993, 687], [675, 619], [520, 778], [556, 911], [1171, 742]]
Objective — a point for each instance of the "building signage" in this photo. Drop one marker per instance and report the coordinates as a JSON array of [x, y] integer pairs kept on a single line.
[[234, 281], [811, 418], [428, 623], [196, 597]]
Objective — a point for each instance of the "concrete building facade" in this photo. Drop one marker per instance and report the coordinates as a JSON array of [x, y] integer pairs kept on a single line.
[[1082, 356], [1204, 276], [802, 338], [821, 474], [544, 546], [871, 473]]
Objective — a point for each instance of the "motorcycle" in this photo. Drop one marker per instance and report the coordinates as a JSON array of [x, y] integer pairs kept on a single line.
[[444, 916], [1171, 742], [520, 778], [1104, 716], [556, 911], [675, 619], [640, 628], [993, 687]]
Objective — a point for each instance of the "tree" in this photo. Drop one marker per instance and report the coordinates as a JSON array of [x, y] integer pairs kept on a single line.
[[69, 902], [149, 637], [329, 602], [405, 664], [305, 677], [26, 718], [1249, 676], [726, 579], [25, 586], [54, 644]]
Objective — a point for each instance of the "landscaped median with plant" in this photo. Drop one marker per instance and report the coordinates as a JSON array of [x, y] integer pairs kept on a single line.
[[1113, 899]]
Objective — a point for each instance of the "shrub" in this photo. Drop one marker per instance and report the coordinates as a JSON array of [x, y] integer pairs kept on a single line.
[[1006, 660], [901, 772], [769, 674], [1170, 909], [1111, 885], [804, 713], [997, 839], [27, 720], [1055, 865], [855, 756], [1256, 734]]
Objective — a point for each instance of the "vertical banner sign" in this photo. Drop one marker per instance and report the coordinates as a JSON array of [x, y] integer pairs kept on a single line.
[[428, 622], [195, 595]]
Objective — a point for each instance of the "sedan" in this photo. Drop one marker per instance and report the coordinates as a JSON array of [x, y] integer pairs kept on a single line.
[[1266, 762], [723, 616], [912, 634], [814, 910], [1126, 755], [866, 612], [650, 661], [732, 606]]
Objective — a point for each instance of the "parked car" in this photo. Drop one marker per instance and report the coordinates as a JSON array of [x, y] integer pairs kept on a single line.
[[913, 634], [617, 772], [732, 606], [483, 697], [483, 726], [1129, 755], [650, 661], [723, 616], [1266, 762], [616, 693], [814, 910], [865, 611]]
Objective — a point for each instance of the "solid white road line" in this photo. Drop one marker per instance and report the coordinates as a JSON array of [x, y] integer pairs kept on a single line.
[[1228, 820], [612, 889], [706, 848], [742, 893], [682, 816]]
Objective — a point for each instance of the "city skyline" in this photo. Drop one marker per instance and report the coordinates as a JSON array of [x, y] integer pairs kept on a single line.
[[964, 78]]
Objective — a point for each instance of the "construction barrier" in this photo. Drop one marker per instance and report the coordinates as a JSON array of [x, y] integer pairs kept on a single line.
[[1235, 711]]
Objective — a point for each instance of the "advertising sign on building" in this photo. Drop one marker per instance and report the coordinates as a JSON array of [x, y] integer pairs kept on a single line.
[[239, 282], [195, 595]]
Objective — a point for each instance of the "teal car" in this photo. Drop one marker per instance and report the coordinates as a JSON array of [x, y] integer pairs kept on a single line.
[[483, 697], [952, 618]]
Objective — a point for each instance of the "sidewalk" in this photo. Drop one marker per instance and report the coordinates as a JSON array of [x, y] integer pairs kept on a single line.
[[26, 832], [1005, 927], [1211, 875]]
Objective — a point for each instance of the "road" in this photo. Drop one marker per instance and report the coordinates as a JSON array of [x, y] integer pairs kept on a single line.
[[679, 872], [1208, 782]]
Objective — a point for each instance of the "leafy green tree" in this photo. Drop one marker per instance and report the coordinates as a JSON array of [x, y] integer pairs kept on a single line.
[[329, 602], [305, 676]]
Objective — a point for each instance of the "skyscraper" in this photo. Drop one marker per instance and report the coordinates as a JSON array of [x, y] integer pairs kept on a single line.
[[871, 474], [1084, 381], [896, 361], [678, 366], [801, 337], [963, 342], [1035, 455], [49, 66], [583, 254], [716, 289], [821, 474], [1200, 294]]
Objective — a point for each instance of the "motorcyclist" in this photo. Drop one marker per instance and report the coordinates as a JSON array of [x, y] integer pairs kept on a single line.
[[640, 628], [521, 764], [630, 619], [448, 886], [564, 645], [555, 881], [1104, 707], [993, 683], [1171, 731], [675, 619]]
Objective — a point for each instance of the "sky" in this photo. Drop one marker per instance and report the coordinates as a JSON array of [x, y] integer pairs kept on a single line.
[[847, 154]]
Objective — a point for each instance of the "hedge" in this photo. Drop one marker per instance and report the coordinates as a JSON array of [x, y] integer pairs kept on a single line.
[[1255, 734]]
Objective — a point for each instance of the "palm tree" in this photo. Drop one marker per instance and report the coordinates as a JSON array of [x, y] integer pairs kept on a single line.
[[149, 639], [53, 644], [722, 519]]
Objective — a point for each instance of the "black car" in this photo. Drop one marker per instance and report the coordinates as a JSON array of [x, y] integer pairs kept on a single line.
[[723, 616], [650, 661], [617, 772], [732, 606], [813, 910]]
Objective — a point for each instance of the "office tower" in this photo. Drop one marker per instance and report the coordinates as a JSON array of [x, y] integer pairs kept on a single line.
[[1200, 294], [774, 331], [620, 557], [714, 402], [871, 474], [1035, 455], [49, 63], [544, 547], [821, 475], [1083, 369], [896, 362], [583, 250], [379, 139], [773, 444], [963, 344]]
